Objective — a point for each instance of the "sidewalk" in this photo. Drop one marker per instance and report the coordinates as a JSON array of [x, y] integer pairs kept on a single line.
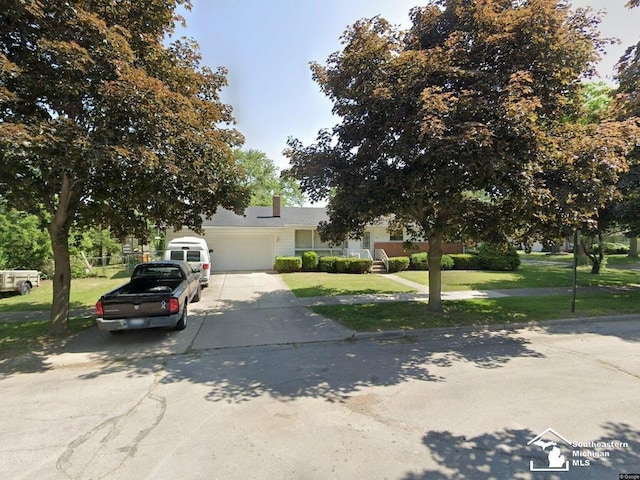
[[462, 295], [421, 294]]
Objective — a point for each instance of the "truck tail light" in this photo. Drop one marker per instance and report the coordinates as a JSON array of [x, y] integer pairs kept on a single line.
[[205, 266], [99, 309], [174, 305]]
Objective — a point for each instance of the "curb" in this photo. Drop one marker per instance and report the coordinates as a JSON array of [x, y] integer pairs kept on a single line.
[[403, 333]]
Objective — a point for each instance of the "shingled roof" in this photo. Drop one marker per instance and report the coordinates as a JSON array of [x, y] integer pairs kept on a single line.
[[263, 217]]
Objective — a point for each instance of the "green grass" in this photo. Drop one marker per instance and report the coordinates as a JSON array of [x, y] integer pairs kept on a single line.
[[415, 315], [316, 284], [614, 260], [528, 276], [85, 293], [17, 338]]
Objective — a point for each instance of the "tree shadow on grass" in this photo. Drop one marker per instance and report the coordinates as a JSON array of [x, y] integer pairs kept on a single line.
[[505, 454]]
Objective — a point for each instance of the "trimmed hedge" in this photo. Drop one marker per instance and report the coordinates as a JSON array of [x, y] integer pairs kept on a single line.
[[446, 262], [344, 265], [288, 264], [419, 261], [309, 261], [398, 264], [327, 264], [611, 248], [498, 257], [360, 265], [465, 261]]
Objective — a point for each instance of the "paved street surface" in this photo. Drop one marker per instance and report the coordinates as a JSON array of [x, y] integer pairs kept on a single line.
[[294, 400]]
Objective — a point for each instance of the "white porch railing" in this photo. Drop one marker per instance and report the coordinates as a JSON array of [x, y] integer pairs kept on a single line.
[[358, 253], [382, 255]]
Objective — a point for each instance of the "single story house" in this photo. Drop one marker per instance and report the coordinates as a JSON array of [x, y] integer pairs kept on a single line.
[[253, 240]]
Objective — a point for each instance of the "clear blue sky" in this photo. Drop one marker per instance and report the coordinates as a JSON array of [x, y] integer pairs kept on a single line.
[[267, 45]]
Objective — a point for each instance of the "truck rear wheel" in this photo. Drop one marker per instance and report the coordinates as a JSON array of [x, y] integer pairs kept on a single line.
[[182, 323]]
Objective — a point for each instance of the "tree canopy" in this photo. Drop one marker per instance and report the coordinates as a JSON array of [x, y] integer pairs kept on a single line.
[[263, 179], [102, 122], [448, 126], [627, 105]]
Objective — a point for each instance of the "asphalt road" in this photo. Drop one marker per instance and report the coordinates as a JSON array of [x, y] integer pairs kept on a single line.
[[445, 405]]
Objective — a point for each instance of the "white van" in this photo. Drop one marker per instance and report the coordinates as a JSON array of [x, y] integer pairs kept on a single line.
[[194, 251]]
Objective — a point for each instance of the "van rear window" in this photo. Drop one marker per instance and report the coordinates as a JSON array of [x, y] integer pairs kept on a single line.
[[177, 255], [193, 255]]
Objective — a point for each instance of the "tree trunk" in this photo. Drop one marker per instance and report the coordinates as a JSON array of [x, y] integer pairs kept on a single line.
[[633, 247], [583, 258], [59, 233], [597, 258], [435, 276], [59, 319]]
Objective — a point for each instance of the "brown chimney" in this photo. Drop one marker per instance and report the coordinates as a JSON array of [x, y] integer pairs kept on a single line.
[[276, 205]]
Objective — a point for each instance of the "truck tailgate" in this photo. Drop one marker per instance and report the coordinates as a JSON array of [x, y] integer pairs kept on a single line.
[[135, 306]]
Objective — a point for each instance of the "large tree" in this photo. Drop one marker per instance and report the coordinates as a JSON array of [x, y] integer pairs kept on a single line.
[[586, 160], [104, 123], [263, 179], [628, 106], [446, 126]]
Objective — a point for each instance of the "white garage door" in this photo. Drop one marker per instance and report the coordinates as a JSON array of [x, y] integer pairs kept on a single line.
[[242, 253]]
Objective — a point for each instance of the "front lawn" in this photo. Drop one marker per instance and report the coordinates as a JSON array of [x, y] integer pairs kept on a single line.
[[85, 292], [17, 338], [527, 276], [319, 284], [415, 315]]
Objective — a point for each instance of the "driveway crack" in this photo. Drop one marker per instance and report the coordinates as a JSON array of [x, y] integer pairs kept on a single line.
[[105, 448]]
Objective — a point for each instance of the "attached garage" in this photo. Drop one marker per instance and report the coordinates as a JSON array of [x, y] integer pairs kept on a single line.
[[252, 241], [242, 253]]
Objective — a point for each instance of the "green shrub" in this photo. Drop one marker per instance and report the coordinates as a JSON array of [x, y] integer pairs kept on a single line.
[[446, 262], [419, 261], [499, 257], [327, 264], [342, 265], [611, 248], [465, 261], [288, 264], [309, 261], [398, 264], [360, 265]]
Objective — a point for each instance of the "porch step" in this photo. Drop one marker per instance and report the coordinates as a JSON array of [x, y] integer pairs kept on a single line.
[[378, 267]]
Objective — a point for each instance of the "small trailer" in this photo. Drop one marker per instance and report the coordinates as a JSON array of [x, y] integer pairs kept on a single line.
[[21, 281]]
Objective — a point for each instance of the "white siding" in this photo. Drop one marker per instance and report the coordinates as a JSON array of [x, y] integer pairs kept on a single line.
[[255, 248]]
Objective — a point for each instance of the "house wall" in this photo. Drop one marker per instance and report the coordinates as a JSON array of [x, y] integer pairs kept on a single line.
[[241, 248]]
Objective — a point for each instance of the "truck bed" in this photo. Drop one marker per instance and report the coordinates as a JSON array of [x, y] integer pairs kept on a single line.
[[147, 285]]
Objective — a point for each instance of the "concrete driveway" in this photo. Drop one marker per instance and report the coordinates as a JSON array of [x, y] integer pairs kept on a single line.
[[257, 308], [241, 309]]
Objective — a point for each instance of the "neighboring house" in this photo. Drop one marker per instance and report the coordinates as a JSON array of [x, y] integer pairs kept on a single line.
[[253, 240]]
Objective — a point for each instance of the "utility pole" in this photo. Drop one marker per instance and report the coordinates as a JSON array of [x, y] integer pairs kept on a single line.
[[575, 270]]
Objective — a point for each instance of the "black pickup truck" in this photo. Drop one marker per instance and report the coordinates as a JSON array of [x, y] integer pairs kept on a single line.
[[158, 295]]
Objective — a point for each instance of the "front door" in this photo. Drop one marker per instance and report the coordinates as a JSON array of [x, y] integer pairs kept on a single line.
[[366, 242]]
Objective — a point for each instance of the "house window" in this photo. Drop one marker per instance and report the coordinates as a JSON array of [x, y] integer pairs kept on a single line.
[[317, 243], [310, 240], [396, 236], [304, 239]]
